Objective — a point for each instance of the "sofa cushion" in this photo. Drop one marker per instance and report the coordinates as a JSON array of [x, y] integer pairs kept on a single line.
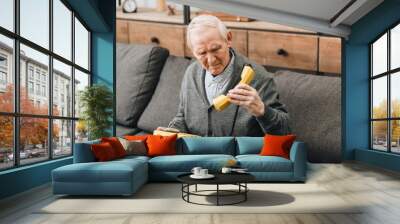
[[257, 163], [277, 145], [134, 147], [161, 145], [112, 171], [206, 145], [164, 103], [138, 71], [116, 145], [249, 145], [83, 152], [185, 163], [103, 152], [314, 105], [132, 159]]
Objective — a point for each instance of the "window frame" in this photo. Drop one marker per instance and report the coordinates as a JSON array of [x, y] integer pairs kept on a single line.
[[15, 72], [388, 74]]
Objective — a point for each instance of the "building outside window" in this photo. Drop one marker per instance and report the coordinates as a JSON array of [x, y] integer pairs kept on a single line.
[[43, 90], [44, 77], [38, 89], [3, 72], [3, 78], [30, 87], [385, 91], [58, 134], [37, 74], [30, 72]]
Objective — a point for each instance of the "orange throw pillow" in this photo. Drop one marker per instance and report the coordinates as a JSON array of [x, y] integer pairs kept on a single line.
[[103, 151], [116, 145], [161, 145], [277, 145]]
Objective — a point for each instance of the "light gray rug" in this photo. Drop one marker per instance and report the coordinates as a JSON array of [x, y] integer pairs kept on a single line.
[[166, 198]]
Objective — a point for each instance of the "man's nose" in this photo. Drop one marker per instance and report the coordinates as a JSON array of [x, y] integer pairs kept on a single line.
[[211, 59]]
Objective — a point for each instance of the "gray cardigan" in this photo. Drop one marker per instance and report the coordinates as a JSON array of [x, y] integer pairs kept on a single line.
[[196, 116]]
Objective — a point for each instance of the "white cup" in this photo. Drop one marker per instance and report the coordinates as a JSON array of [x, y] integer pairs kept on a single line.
[[226, 170], [196, 171], [203, 172]]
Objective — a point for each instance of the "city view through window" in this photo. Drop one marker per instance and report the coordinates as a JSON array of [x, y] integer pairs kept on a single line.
[[41, 122], [385, 92]]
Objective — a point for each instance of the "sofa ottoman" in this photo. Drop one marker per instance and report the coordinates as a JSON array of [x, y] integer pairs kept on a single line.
[[119, 177], [87, 177]]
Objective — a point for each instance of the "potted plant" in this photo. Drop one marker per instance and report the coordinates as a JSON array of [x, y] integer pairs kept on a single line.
[[96, 102]]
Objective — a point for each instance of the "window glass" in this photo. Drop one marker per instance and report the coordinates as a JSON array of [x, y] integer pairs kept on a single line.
[[7, 14], [33, 140], [6, 74], [62, 91], [81, 131], [62, 138], [34, 80], [39, 62], [379, 100], [34, 21], [6, 142], [81, 81], [395, 95], [62, 29], [395, 47], [379, 56], [379, 135], [81, 45], [395, 136]]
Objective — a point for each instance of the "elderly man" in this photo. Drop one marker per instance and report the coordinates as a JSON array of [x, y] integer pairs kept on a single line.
[[255, 108]]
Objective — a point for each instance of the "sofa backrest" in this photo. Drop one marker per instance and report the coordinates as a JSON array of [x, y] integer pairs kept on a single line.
[[164, 103], [138, 72], [83, 152], [314, 105], [206, 145], [249, 145]]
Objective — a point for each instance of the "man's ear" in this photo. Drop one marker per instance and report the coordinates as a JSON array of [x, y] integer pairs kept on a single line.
[[229, 38]]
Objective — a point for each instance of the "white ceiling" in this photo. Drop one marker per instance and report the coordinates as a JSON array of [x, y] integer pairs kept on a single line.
[[313, 15]]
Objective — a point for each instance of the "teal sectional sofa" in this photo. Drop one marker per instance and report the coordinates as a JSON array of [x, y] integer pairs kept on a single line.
[[125, 176]]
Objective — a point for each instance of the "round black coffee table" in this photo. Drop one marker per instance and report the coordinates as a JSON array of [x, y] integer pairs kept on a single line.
[[238, 179]]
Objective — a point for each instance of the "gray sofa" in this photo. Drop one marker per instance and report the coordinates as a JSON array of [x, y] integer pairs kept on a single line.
[[148, 85]]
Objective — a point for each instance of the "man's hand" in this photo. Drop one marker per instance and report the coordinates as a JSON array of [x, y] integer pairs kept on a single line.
[[247, 97]]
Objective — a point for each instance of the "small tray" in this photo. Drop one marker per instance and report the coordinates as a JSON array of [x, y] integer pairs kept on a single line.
[[208, 176]]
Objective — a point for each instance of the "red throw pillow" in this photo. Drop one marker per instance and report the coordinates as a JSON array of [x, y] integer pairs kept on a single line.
[[103, 151], [116, 145], [136, 137], [161, 145], [277, 145]]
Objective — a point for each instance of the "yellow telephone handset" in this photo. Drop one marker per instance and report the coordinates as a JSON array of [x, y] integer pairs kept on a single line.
[[222, 101]]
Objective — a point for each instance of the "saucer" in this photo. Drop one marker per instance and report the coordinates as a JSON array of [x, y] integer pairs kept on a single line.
[[208, 176]]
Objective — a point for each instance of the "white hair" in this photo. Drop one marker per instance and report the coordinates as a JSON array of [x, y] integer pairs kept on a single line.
[[206, 21]]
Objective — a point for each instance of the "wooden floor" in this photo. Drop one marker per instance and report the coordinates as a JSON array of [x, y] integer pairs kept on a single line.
[[377, 188]]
